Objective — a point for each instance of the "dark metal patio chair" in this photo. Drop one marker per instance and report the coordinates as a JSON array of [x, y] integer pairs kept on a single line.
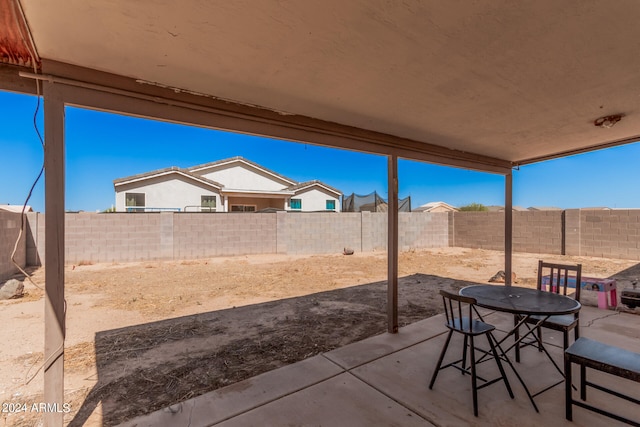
[[459, 312], [556, 278]]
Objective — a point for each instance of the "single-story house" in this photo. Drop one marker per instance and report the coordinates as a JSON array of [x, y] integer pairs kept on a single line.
[[229, 185], [436, 207]]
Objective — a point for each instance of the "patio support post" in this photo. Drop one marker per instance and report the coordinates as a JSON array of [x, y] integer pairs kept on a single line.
[[392, 246], [54, 311], [508, 227]]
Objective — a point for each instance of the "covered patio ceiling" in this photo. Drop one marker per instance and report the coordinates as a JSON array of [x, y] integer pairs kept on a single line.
[[497, 82], [487, 85]]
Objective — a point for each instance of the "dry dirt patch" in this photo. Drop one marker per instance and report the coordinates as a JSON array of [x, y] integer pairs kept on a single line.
[[142, 336]]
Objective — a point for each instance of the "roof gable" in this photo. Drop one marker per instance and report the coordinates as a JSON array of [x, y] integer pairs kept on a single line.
[[167, 174], [213, 168], [431, 206], [304, 186], [233, 175], [16, 208]]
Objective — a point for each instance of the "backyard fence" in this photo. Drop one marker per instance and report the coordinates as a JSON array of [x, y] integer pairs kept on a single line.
[[9, 229], [122, 237], [582, 232]]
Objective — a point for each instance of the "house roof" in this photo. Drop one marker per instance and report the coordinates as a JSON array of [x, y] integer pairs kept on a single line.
[[256, 193], [544, 208], [190, 173], [432, 205], [240, 159], [16, 208], [487, 84], [297, 188], [497, 208], [165, 172]]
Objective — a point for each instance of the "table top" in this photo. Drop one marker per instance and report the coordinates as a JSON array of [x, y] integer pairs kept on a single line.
[[514, 299]]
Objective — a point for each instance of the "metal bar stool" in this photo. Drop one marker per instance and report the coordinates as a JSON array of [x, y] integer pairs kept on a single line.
[[455, 306]]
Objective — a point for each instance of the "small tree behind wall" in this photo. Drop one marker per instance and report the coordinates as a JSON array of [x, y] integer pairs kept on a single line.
[[474, 207]]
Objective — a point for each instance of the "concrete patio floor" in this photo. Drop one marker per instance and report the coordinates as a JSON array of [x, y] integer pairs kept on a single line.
[[384, 380]]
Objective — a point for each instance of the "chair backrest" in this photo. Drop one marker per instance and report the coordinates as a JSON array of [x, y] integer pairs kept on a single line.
[[458, 310], [558, 277]]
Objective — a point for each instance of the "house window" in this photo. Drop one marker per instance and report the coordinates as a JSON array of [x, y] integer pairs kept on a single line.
[[296, 203], [331, 205], [207, 203], [243, 208], [134, 202]]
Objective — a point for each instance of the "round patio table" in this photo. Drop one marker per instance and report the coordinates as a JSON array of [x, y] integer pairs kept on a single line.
[[524, 302]]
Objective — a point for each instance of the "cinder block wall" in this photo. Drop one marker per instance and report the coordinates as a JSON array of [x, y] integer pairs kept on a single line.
[[599, 233], [35, 238], [421, 230], [198, 235], [9, 230], [317, 233], [537, 232], [374, 231], [479, 230], [572, 231], [94, 237], [167, 235], [533, 231], [121, 237], [610, 234]]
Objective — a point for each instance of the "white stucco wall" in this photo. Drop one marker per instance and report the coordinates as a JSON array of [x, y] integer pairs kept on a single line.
[[241, 177], [315, 199], [176, 192]]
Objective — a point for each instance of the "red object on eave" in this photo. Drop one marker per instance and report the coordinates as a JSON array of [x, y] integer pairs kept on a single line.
[[14, 37]]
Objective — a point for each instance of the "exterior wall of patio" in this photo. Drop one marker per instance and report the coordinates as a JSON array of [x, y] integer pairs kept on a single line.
[[257, 202]]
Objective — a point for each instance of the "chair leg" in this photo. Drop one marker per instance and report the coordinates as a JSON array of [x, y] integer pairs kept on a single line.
[[583, 382], [517, 337], [474, 382], [495, 355], [464, 355], [440, 359], [540, 339], [567, 389], [565, 339]]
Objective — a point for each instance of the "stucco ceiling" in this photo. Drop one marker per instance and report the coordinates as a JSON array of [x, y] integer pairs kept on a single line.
[[516, 81]]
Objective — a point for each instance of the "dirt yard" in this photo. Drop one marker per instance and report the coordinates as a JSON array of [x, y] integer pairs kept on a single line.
[[142, 336]]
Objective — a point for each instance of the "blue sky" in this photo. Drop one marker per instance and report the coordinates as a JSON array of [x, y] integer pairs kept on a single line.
[[102, 147]]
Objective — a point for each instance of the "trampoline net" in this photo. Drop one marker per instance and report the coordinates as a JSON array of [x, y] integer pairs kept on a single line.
[[372, 203]]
